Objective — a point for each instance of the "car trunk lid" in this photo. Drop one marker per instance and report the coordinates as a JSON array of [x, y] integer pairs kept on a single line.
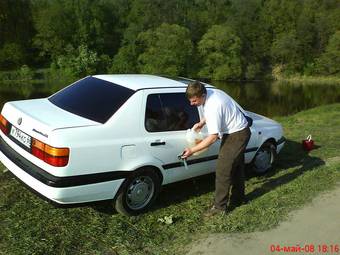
[[39, 117]]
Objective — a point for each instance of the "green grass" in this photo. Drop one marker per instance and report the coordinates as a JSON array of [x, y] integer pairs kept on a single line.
[[29, 225]]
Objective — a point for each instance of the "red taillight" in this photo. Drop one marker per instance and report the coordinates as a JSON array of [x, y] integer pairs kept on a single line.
[[4, 125], [38, 153], [54, 156], [56, 161]]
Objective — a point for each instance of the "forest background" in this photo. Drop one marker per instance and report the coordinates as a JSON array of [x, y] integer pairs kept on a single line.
[[213, 39]]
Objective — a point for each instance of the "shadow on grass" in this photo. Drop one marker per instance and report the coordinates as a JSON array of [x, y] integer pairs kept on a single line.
[[291, 156]]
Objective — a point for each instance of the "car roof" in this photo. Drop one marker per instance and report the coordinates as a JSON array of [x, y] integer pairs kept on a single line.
[[146, 81]]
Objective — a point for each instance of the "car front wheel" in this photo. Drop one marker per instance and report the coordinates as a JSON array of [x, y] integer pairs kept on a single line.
[[264, 158], [138, 192]]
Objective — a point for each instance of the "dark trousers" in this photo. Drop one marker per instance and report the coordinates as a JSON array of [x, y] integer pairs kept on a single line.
[[230, 169]]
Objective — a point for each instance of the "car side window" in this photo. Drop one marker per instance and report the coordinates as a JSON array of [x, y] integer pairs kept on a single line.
[[169, 112]]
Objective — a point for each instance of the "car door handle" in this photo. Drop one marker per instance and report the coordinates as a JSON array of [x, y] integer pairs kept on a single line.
[[157, 143]]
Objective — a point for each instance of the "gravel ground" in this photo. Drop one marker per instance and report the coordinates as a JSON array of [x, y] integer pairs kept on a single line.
[[314, 229]]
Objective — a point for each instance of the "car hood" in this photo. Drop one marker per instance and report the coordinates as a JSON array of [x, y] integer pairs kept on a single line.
[[40, 116]]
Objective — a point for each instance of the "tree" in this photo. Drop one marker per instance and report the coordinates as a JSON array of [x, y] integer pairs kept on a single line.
[[16, 32], [329, 61], [280, 16], [55, 24], [276, 19], [220, 49], [245, 20], [97, 25], [285, 52], [196, 15], [79, 22], [125, 61], [11, 56], [327, 21], [306, 32], [166, 50], [77, 62]]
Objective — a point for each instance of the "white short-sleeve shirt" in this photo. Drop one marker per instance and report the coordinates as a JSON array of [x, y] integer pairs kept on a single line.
[[222, 114]]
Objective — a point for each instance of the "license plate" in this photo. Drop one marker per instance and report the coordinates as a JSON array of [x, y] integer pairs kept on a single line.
[[21, 137]]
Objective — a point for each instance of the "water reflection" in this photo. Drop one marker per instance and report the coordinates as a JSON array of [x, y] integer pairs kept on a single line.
[[20, 91], [267, 98], [280, 99]]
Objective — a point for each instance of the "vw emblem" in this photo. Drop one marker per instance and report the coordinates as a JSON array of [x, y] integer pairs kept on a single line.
[[19, 121]]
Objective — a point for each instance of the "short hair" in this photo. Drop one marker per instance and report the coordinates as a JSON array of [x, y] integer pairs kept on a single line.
[[195, 88]]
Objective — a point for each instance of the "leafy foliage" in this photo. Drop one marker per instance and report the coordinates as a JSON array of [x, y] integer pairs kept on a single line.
[[290, 36], [220, 49], [11, 55], [166, 50], [16, 24], [77, 62], [125, 61], [85, 22], [329, 61], [285, 51]]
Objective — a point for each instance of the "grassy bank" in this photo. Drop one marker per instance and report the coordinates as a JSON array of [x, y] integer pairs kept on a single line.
[[310, 80], [30, 226]]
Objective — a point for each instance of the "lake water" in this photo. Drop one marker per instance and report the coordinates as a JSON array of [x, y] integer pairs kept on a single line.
[[266, 98]]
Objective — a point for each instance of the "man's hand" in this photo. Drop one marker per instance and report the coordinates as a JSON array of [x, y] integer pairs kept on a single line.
[[209, 140], [187, 153], [198, 126]]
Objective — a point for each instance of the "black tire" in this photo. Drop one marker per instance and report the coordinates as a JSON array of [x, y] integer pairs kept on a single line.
[[264, 158], [138, 192]]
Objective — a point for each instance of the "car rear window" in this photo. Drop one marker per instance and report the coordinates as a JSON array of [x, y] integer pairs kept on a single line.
[[92, 98]]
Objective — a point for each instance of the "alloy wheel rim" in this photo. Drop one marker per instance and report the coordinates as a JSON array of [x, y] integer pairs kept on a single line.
[[140, 192], [263, 160]]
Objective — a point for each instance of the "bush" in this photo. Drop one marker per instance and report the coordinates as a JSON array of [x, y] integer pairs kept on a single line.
[[11, 56], [252, 71], [77, 62], [166, 50], [286, 52], [220, 49], [56, 77], [24, 75], [329, 61], [125, 61]]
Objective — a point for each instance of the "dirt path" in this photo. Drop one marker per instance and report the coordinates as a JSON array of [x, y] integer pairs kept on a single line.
[[317, 226]]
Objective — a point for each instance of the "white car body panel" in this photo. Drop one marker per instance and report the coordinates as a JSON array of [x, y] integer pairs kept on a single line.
[[103, 155], [138, 81], [43, 115]]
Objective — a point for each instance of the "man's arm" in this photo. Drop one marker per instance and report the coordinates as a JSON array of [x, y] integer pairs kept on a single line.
[[209, 140], [198, 126]]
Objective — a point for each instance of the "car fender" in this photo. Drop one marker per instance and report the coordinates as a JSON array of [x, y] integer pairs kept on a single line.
[[144, 161], [141, 163], [273, 138]]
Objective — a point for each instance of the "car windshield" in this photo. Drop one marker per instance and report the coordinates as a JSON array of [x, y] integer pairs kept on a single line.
[[92, 98]]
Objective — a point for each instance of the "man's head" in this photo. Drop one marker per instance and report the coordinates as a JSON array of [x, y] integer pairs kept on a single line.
[[196, 93]]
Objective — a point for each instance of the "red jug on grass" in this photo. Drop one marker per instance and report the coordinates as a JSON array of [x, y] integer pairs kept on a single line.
[[308, 143]]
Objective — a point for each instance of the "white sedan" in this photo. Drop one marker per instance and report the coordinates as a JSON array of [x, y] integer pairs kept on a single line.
[[115, 137]]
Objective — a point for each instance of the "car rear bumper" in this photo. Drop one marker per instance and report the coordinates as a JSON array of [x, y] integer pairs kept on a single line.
[[61, 190]]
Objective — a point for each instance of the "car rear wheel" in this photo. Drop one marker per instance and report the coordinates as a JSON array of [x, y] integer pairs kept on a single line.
[[264, 158], [138, 192]]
